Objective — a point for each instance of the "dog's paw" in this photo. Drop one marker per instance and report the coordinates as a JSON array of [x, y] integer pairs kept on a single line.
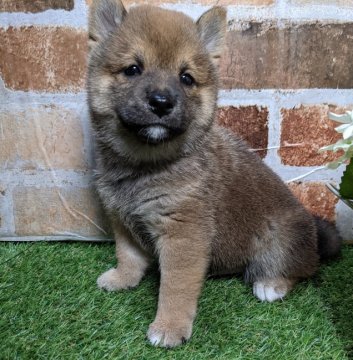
[[269, 291], [168, 335], [113, 280]]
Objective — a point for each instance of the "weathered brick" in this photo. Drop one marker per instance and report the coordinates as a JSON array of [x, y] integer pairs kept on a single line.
[[249, 122], [262, 55], [308, 129], [43, 58], [40, 138], [198, 2], [54, 211], [34, 6], [316, 198]]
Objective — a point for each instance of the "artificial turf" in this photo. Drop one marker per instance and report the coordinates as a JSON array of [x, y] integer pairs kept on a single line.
[[50, 308]]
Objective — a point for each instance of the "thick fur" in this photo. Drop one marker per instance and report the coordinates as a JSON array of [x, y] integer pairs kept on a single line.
[[194, 196], [329, 241]]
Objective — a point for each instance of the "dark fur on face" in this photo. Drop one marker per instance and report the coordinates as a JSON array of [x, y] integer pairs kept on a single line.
[[177, 186]]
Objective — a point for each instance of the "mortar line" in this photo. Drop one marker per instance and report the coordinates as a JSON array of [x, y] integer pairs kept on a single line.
[[288, 97], [274, 133], [278, 13]]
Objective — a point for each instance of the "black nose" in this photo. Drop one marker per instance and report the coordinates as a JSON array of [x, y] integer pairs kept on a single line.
[[161, 103]]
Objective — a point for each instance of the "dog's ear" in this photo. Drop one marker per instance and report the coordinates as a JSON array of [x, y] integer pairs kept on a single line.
[[104, 17], [212, 27]]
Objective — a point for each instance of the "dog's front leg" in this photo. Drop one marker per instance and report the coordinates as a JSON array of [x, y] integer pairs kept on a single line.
[[132, 262], [183, 264]]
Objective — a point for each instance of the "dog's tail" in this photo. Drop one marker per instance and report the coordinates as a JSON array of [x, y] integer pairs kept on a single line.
[[329, 239]]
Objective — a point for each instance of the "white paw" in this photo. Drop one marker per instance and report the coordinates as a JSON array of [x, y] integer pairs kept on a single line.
[[109, 280], [156, 339], [267, 292], [168, 335]]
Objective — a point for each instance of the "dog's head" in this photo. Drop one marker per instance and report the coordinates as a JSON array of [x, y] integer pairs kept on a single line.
[[152, 79]]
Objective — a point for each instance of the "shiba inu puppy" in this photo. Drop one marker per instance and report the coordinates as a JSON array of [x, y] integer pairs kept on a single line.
[[175, 185]]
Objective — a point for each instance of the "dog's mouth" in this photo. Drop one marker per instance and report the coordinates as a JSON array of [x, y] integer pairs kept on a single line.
[[152, 134]]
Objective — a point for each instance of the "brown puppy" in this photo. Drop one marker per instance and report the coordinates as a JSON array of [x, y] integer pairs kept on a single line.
[[175, 185]]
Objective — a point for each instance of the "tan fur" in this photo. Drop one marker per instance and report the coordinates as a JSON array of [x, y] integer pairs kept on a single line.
[[133, 262], [196, 199]]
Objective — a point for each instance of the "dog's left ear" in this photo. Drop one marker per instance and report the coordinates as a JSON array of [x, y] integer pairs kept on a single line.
[[212, 27]]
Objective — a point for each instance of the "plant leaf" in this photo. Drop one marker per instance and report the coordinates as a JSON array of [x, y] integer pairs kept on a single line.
[[348, 132], [342, 128], [335, 191], [326, 148], [333, 165], [346, 118], [346, 186], [344, 144]]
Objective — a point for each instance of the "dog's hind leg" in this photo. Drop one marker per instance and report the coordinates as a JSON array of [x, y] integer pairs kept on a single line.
[[286, 253]]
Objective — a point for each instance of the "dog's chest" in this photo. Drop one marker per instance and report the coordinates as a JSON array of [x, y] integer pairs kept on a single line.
[[141, 206]]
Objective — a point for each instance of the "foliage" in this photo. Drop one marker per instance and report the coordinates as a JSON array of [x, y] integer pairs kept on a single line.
[[346, 145]]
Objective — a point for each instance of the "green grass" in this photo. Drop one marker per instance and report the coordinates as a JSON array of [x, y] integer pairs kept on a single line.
[[50, 308]]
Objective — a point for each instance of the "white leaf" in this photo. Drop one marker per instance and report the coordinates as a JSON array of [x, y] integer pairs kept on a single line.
[[340, 144], [326, 148], [346, 118], [348, 132], [333, 165], [342, 128]]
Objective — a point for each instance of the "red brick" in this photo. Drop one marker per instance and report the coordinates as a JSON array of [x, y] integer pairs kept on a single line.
[[40, 138], [308, 128], [41, 211], [34, 6], [43, 58], [249, 122], [262, 55], [316, 198]]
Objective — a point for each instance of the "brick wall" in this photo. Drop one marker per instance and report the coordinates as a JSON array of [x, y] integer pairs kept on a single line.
[[286, 64]]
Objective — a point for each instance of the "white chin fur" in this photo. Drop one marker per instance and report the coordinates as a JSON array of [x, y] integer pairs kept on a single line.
[[156, 132]]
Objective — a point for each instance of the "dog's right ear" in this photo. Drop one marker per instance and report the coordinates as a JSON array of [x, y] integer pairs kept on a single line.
[[104, 17]]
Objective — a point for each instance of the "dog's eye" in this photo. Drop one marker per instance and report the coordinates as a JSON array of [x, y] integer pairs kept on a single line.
[[132, 70], [187, 79]]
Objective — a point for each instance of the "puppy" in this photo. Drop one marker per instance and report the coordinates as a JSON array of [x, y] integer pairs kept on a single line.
[[176, 186]]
